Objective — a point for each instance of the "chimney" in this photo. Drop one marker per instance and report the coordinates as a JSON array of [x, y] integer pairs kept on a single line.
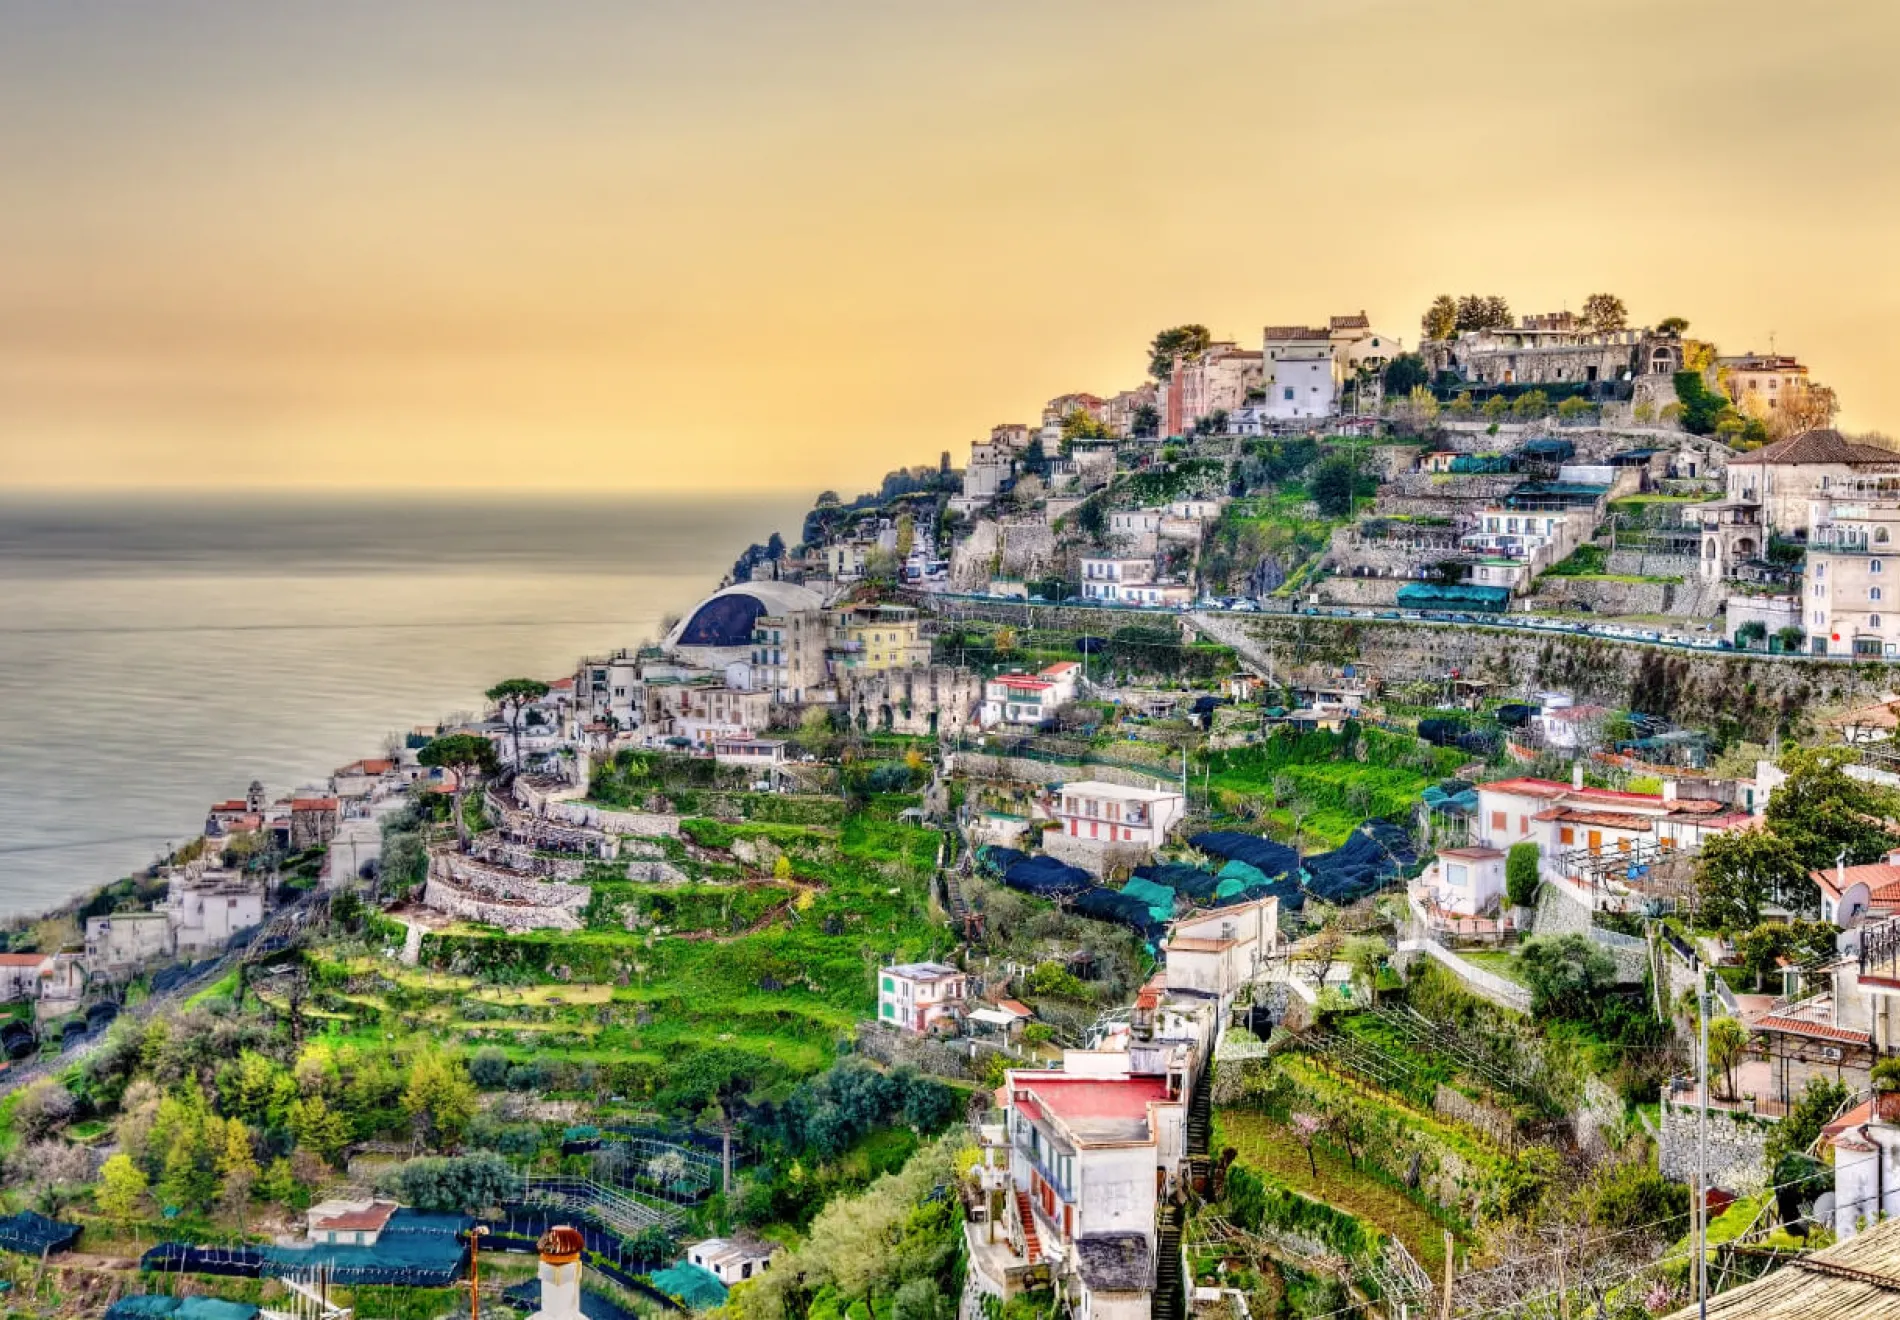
[[1576, 774], [560, 1272]]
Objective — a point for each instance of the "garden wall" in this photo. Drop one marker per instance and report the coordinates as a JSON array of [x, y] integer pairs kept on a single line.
[[645, 823], [1738, 1145]]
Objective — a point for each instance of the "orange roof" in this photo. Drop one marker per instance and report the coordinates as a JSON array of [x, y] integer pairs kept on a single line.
[[1816, 1030], [314, 804], [1875, 875], [21, 959], [1195, 944]]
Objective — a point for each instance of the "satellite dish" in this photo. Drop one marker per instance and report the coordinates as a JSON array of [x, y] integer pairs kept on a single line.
[[1823, 1212]]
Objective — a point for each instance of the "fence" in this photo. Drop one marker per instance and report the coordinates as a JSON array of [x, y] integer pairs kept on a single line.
[[1486, 985]]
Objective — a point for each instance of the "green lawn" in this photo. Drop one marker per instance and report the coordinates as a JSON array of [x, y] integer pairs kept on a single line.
[[1498, 963]]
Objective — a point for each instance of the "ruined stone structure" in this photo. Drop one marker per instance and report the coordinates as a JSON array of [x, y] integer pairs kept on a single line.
[[1555, 350], [922, 701], [474, 890]]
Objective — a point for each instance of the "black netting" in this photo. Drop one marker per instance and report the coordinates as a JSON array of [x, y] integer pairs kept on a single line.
[[31, 1233], [1190, 881], [1264, 855], [1047, 878], [1377, 852]]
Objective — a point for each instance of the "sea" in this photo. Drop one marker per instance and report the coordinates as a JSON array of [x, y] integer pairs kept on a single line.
[[158, 654]]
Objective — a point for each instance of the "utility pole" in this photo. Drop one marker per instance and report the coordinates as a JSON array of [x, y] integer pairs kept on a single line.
[[1450, 1259]]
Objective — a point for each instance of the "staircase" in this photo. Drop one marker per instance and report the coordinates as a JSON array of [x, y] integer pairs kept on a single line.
[[1170, 1299], [1032, 1244], [1200, 1130]]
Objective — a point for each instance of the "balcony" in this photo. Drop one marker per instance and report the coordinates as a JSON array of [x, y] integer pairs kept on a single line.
[[1830, 539]]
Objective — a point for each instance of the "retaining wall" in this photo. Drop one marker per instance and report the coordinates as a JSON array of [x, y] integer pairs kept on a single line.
[[1737, 1146]]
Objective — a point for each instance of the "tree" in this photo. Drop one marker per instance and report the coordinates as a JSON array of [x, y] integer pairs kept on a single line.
[[1728, 1042], [1497, 408], [1806, 409], [319, 1128], [121, 1192], [1182, 342], [1739, 870], [1531, 406], [1575, 408], [1306, 1129], [464, 755], [1826, 814], [1483, 312], [1441, 318], [513, 696], [1405, 373], [1145, 422], [1416, 410], [237, 1168], [1702, 407], [488, 1068], [1081, 424], [42, 1109], [1332, 487], [1520, 875], [1817, 1105], [439, 1099], [1673, 325], [1790, 639], [467, 1183], [1752, 635], [1566, 974], [1604, 313]]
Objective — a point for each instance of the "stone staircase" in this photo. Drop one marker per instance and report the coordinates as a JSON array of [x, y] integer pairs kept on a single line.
[[1170, 1297], [1200, 1133]]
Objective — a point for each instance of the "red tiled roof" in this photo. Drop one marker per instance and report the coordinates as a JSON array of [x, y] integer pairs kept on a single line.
[[1025, 682], [1471, 854], [1608, 820], [561, 685], [314, 804], [1875, 875], [1526, 787], [1814, 1030], [1820, 445], [235, 804], [1015, 1006], [21, 959]]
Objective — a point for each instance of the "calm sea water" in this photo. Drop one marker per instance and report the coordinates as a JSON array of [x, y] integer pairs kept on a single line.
[[158, 656]]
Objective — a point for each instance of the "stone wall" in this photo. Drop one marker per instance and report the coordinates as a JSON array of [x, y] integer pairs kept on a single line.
[[1773, 613], [1737, 1147], [1379, 591], [1398, 555], [487, 881], [1602, 596], [646, 823], [1097, 858], [446, 897], [1645, 563], [980, 765], [973, 559], [1754, 695]]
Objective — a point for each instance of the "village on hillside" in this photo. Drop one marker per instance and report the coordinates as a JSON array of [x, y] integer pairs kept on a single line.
[[1339, 828]]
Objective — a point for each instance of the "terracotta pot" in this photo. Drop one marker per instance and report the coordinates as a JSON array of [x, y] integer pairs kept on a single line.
[[1887, 1106]]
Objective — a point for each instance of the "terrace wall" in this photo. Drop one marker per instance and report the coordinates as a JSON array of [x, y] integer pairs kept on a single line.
[[1737, 1147]]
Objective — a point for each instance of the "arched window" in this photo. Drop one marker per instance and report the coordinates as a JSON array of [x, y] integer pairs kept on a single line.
[[1873, 620], [1873, 565], [1873, 593], [1880, 536]]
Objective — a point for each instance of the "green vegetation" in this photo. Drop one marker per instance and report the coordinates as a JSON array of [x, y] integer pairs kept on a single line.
[[1324, 784]]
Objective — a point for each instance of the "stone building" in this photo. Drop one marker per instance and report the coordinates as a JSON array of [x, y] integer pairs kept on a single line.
[[1554, 349], [923, 701], [1786, 476]]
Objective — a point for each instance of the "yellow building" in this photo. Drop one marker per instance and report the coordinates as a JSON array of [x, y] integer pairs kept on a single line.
[[880, 637]]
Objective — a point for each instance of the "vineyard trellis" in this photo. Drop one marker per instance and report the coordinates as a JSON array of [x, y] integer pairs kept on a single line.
[[1395, 1277]]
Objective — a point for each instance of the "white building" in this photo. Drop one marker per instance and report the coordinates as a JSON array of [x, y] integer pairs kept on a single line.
[[731, 1260], [916, 996], [1216, 953], [1116, 813], [1139, 528], [40, 976], [346, 1223], [1117, 579], [1302, 372], [208, 908], [126, 939], [1029, 699], [1853, 562], [1465, 882]]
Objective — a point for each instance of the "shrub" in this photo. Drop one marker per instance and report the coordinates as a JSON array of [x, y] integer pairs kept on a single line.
[[455, 1182], [1520, 874], [488, 1068], [1566, 974]]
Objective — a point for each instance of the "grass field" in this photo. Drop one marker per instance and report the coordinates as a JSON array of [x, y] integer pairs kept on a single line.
[[1271, 1148]]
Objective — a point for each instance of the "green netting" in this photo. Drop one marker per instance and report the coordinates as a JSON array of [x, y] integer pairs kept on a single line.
[[1462, 595], [696, 1287], [1159, 898], [148, 1306]]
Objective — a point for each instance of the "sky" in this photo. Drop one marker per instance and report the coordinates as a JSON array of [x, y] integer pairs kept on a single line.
[[717, 245]]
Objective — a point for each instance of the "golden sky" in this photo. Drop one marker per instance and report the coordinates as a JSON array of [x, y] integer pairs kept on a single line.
[[719, 244]]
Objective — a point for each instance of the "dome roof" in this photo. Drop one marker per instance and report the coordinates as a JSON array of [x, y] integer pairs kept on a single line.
[[726, 618]]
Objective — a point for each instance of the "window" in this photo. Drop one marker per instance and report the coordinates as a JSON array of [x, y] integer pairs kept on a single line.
[[1873, 565], [1497, 820], [1820, 570], [1873, 620], [1566, 835], [1873, 593], [1289, 392]]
